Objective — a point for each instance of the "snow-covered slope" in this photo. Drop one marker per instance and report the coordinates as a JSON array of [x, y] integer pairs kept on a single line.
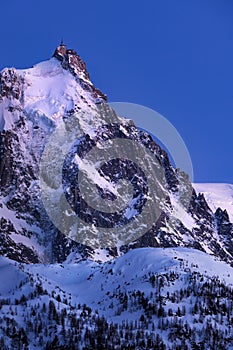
[[45, 85], [147, 298], [217, 195], [50, 90], [90, 282]]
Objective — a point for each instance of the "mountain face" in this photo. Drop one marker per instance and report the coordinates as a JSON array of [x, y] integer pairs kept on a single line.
[[147, 263], [50, 96]]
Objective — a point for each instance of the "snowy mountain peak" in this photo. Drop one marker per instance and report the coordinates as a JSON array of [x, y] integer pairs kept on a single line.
[[49, 90], [52, 94]]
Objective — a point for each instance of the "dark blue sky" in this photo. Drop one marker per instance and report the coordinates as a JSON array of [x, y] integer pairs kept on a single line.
[[173, 56]]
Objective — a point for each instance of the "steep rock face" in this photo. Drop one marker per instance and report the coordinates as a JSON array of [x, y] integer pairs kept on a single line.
[[33, 103], [23, 218], [10, 84], [26, 232]]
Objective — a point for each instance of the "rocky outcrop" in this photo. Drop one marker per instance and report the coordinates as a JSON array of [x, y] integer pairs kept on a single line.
[[223, 223], [10, 84], [71, 61]]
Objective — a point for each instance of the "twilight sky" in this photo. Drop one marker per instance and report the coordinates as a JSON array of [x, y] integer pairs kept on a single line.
[[175, 57]]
